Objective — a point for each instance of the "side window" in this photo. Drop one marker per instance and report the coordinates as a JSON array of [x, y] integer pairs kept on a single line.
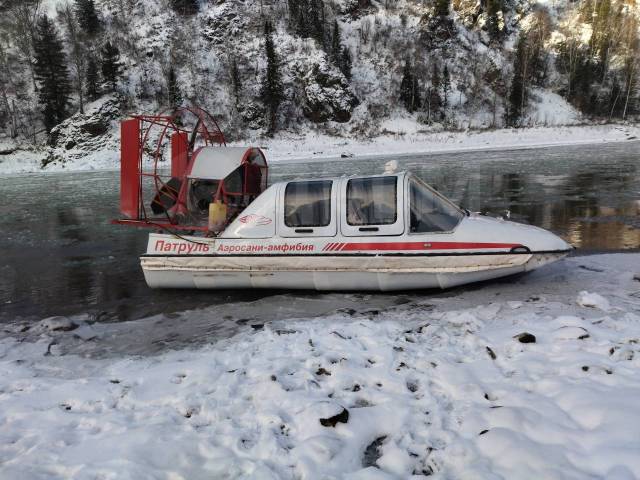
[[430, 212], [307, 204], [372, 201]]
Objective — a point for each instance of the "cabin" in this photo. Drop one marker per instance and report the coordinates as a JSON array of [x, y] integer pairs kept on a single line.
[[230, 176], [374, 205]]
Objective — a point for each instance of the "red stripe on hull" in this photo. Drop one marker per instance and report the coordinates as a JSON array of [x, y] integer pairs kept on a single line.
[[386, 246]]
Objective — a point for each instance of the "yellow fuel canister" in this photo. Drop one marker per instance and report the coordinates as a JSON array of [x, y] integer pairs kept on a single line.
[[217, 216]]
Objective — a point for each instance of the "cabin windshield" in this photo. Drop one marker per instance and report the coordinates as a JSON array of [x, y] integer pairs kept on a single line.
[[431, 212]]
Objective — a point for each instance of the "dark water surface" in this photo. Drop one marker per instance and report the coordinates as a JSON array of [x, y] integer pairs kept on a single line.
[[60, 255]]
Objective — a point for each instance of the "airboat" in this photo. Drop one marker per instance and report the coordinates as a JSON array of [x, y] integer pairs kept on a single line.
[[220, 225]]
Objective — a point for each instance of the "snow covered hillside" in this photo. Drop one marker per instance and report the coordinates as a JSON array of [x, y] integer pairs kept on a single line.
[[534, 377], [346, 68]]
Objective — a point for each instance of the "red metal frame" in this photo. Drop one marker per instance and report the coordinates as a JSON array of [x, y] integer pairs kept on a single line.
[[136, 135], [141, 130], [129, 168], [179, 154]]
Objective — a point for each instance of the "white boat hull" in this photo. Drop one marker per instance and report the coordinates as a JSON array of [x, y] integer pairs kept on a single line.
[[336, 273]]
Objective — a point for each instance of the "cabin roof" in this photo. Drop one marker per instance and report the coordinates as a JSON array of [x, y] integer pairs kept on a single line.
[[400, 173], [216, 163]]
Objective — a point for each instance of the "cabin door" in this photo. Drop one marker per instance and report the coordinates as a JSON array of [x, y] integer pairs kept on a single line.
[[372, 206], [308, 209]]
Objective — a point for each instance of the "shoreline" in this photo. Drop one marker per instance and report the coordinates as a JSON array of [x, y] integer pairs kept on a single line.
[[455, 150], [450, 142], [310, 148]]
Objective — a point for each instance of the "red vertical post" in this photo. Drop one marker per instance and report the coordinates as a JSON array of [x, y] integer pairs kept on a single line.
[[178, 154], [130, 168]]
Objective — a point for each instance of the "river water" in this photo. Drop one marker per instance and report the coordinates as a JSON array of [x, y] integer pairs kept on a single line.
[[61, 256]]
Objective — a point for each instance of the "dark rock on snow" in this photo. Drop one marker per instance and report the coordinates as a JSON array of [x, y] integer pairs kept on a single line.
[[342, 417], [525, 337]]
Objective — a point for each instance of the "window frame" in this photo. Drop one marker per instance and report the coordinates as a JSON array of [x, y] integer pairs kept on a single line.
[[395, 193], [287, 231], [284, 211], [374, 230]]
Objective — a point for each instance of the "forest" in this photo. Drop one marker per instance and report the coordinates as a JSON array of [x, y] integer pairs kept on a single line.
[[339, 66]]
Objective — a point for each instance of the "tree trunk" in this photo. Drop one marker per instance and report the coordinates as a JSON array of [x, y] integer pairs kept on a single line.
[[626, 101], [495, 106], [613, 106]]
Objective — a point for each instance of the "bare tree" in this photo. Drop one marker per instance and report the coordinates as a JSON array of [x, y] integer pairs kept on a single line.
[[25, 15], [5, 82], [15, 89], [76, 42], [631, 45]]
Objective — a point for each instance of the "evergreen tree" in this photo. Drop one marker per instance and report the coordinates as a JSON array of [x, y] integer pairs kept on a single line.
[[111, 67], [435, 77], [433, 101], [173, 90], [583, 97], [185, 7], [92, 79], [298, 18], [317, 21], [307, 19], [346, 63], [236, 82], [336, 43], [518, 92], [494, 14], [442, 8], [339, 54], [271, 91], [51, 73], [87, 17], [294, 14], [409, 89], [446, 86]]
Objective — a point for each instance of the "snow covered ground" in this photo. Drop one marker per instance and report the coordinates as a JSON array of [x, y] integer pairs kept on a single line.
[[439, 384], [403, 137], [406, 139]]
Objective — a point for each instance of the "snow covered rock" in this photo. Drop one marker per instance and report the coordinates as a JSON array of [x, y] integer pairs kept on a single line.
[[222, 22], [327, 95], [571, 333], [58, 324], [85, 332], [84, 132], [593, 300]]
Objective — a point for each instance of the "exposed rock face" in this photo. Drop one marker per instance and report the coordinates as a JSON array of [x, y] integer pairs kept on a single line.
[[355, 8], [221, 23], [84, 133], [326, 95]]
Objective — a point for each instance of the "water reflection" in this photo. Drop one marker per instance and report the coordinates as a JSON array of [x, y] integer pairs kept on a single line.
[[588, 195], [61, 256]]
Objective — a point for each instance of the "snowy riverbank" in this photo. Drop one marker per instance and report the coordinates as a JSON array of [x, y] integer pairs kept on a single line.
[[408, 141], [437, 384], [403, 139]]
